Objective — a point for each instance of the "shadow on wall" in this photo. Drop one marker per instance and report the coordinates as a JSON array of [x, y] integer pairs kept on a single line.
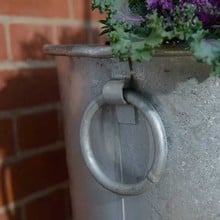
[[88, 32], [15, 187], [89, 17], [24, 172], [31, 49]]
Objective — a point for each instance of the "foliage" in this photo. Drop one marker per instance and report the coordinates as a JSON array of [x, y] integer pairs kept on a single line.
[[136, 28]]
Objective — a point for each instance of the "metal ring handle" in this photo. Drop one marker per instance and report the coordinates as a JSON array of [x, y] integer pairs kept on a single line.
[[160, 145]]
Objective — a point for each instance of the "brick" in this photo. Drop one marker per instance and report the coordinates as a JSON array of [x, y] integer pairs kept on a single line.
[[82, 11], [28, 88], [11, 215], [3, 53], [6, 138], [28, 176], [27, 41], [42, 8], [36, 130], [72, 35], [51, 207]]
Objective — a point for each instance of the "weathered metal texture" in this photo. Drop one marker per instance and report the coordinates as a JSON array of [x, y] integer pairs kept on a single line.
[[188, 101], [158, 134]]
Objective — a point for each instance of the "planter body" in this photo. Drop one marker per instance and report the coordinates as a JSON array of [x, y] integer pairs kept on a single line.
[[188, 101]]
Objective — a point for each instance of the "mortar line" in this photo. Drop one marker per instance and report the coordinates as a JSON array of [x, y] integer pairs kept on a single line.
[[55, 39], [70, 8], [32, 110], [8, 41], [9, 65], [15, 135], [33, 197], [28, 20], [33, 152]]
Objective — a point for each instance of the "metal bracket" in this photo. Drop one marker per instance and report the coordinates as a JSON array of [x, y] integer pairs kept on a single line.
[[120, 70], [113, 94]]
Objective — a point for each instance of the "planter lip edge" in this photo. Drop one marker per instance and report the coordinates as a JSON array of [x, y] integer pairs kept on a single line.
[[78, 50], [103, 51]]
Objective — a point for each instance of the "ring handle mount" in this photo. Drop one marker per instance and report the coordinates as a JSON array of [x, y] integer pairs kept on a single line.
[[160, 145]]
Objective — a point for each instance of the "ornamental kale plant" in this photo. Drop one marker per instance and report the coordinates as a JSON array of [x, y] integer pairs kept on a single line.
[[136, 28]]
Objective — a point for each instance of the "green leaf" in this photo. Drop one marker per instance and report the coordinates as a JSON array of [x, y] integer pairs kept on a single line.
[[140, 41], [208, 51], [110, 6]]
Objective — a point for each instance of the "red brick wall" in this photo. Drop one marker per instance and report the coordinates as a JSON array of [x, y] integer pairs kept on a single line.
[[33, 172]]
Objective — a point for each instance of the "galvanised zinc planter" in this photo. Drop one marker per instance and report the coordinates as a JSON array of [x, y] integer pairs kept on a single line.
[[185, 102]]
